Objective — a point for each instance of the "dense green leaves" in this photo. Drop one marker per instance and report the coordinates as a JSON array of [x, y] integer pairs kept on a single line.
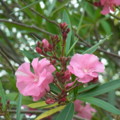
[[66, 113], [102, 104]]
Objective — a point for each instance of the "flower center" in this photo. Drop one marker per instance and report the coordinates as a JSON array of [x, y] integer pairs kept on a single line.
[[35, 79], [85, 70]]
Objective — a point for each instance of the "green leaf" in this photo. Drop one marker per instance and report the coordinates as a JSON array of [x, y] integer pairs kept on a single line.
[[27, 6], [95, 47], [41, 104], [106, 26], [66, 113], [19, 106], [23, 27], [51, 6], [49, 112], [54, 89], [112, 85], [102, 104], [2, 95], [67, 20], [62, 5], [72, 47], [37, 104], [88, 88]]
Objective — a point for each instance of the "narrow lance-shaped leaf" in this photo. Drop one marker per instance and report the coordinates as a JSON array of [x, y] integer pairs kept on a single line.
[[112, 85], [27, 6], [90, 87], [67, 20], [62, 5], [41, 104], [66, 113], [49, 112], [95, 47], [19, 106], [102, 104]]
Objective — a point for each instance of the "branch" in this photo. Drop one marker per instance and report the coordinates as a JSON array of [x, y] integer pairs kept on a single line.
[[9, 54], [36, 112], [6, 58], [37, 13], [100, 49], [116, 17], [27, 26]]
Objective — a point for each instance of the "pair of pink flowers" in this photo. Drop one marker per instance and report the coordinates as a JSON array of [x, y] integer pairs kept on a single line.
[[36, 82], [108, 5]]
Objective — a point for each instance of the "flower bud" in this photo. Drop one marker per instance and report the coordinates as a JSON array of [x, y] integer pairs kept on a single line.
[[38, 50], [45, 43], [53, 62], [95, 80], [97, 4], [63, 99], [63, 25], [58, 74], [68, 30], [67, 74], [64, 35], [46, 49], [50, 101]]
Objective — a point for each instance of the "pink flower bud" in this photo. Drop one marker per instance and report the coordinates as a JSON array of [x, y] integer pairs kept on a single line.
[[45, 43], [46, 49], [63, 99], [70, 84], [97, 4], [58, 74], [67, 74], [50, 47], [53, 62], [68, 30], [63, 25], [38, 50], [95, 80], [64, 35], [50, 101]]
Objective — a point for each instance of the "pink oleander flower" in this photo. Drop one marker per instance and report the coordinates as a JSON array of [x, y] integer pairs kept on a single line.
[[45, 43], [108, 5], [86, 67], [84, 112], [35, 83]]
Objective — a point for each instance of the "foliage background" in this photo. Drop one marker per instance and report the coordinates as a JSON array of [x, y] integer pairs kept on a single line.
[[23, 23]]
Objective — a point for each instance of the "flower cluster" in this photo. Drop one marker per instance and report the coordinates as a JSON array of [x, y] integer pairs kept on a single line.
[[66, 73], [107, 5]]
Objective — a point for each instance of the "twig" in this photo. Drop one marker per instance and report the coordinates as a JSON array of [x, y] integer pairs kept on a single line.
[[27, 26], [100, 49], [37, 13], [26, 111], [37, 112], [115, 16], [6, 58]]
